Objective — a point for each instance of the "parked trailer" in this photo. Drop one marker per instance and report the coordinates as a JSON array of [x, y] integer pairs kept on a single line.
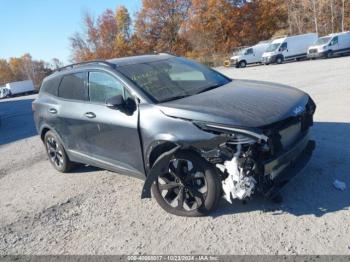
[[330, 45], [16, 88], [288, 48], [249, 55]]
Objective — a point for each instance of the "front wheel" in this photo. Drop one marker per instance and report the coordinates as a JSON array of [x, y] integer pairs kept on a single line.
[[279, 60], [242, 64], [329, 54], [191, 187]]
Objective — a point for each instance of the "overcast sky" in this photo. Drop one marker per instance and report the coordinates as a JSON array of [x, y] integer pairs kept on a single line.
[[42, 27]]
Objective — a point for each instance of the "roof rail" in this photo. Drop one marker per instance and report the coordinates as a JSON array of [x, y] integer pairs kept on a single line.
[[104, 62]]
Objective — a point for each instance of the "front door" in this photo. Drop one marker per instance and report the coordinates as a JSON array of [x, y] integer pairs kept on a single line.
[[112, 134]]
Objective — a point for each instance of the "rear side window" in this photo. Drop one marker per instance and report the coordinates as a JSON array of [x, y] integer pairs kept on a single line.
[[103, 86], [72, 87], [50, 86]]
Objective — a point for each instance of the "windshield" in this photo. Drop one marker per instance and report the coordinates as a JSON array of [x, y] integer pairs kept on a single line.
[[323, 40], [242, 52], [172, 78], [273, 47]]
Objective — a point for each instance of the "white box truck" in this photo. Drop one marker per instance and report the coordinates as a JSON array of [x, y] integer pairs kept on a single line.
[[249, 55], [330, 45], [16, 88], [288, 48]]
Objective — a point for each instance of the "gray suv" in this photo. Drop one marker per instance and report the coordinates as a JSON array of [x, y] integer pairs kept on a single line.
[[191, 133]]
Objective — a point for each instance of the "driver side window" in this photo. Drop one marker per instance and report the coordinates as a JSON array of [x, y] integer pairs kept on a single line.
[[284, 46], [249, 51], [103, 86], [334, 41]]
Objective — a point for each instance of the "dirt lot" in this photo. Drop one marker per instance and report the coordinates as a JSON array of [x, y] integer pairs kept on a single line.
[[91, 211]]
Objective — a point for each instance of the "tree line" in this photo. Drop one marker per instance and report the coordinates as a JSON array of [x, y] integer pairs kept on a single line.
[[24, 68], [203, 30]]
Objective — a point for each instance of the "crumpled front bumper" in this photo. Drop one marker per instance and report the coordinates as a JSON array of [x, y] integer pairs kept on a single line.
[[282, 169], [269, 59], [317, 54]]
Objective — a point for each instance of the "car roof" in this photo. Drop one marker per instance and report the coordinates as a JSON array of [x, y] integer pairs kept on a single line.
[[130, 60], [111, 63]]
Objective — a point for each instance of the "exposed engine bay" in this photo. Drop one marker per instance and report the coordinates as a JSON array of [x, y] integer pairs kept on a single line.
[[251, 163]]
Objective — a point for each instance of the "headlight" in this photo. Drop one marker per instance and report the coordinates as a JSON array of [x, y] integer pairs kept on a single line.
[[237, 135], [324, 47]]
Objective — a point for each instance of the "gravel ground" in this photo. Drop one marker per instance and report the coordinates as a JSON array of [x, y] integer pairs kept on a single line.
[[91, 211]]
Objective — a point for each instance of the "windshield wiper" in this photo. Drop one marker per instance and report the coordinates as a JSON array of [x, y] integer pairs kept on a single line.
[[209, 88], [173, 98]]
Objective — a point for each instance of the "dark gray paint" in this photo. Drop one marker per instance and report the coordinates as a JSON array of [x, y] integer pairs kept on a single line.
[[116, 141], [239, 103]]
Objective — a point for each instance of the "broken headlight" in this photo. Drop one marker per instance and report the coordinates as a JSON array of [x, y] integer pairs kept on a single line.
[[236, 135]]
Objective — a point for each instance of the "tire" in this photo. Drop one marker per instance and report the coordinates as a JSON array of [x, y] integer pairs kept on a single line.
[[195, 178], [242, 64], [56, 153], [329, 54], [279, 60]]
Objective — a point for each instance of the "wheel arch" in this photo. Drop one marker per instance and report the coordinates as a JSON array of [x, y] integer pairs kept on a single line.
[[45, 128], [156, 149]]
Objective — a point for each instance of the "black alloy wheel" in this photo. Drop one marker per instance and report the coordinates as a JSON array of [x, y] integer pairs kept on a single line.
[[190, 188], [56, 153]]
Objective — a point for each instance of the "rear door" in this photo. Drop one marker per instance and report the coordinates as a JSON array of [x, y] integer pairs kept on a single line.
[[69, 111], [112, 135]]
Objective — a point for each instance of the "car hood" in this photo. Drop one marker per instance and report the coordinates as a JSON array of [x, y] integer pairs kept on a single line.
[[241, 103]]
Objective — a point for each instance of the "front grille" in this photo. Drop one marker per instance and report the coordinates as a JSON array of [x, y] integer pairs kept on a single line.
[[313, 50]]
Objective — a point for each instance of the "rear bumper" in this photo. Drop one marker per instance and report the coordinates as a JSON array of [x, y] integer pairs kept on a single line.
[[288, 165]]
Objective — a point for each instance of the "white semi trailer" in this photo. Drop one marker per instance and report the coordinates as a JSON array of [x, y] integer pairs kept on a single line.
[[17, 88]]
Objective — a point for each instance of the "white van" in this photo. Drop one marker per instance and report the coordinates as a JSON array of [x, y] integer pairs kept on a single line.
[[330, 45], [288, 48], [249, 55]]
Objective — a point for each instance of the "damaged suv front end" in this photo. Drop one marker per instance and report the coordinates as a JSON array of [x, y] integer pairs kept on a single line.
[[254, 137], [249, 160]]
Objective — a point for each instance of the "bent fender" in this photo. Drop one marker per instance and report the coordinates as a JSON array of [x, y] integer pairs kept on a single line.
[[159, 167]]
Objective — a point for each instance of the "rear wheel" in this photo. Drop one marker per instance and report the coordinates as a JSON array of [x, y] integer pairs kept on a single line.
[[190, 188], [56, 153]]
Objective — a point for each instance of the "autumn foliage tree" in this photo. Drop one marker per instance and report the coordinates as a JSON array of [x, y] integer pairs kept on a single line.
[[203, 29], [23, 68]]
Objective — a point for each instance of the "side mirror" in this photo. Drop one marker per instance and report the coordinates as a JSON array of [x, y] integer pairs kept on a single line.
[[115, 102]]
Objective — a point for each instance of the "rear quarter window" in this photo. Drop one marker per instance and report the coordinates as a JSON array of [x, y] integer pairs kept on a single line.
[[73, 87], [50, 86]]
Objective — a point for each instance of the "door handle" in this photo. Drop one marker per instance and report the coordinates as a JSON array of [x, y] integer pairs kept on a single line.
[[52, 111], [90, 115]]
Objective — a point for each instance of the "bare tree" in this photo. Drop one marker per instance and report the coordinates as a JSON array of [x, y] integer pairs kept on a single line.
[[332, 15], [342, 15], [315, 14]]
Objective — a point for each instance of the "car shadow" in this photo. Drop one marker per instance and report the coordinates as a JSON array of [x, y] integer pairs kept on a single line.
[[311, 192], [16, 120], [80, 168]]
